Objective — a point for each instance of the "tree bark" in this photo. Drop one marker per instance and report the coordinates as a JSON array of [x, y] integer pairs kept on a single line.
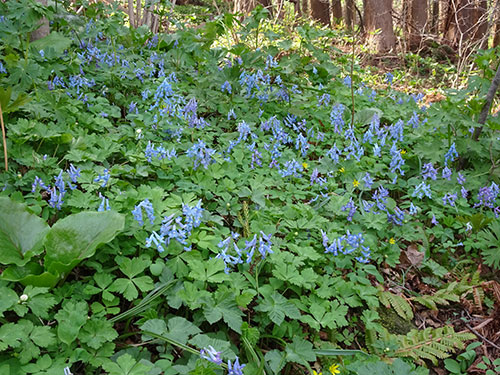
[[416, 23], [481, 21], [349, 14], [320, 11], [44, 28], [435, 17], [496, 36], [487, 105], [337, 10], [378, 15], [460, 22]]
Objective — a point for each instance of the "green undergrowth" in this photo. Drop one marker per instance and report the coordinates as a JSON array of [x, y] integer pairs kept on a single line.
[[259, 202]]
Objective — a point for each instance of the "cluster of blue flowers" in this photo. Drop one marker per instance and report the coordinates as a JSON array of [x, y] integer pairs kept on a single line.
[[158, 152], [262, 244], [58, 191], [347, 244], [173, 228], [212, 355]]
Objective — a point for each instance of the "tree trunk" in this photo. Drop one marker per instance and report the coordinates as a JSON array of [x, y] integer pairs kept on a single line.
[[349, 13], [496, 37], [460, 22], [481, 21], [378, 15], [336, 10], [416, 23], [435, 17], [320, 11], [44, 28], [485, 111]]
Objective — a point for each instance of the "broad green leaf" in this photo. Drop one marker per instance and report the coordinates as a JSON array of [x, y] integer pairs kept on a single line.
[[43, 336], [300, 351], [76, 237], [21, 233], [276, 360], [54, 40], [96, 332], [126, 365], [9, 299], [211, 270], [30, 274], [177, 328], [277, 307], [224, 307], [71, 318]]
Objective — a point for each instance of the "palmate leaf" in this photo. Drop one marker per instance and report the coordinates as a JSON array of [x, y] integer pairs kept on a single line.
[[126, 365], [277, 307], [21, 233], [224, 306], [490, 239]]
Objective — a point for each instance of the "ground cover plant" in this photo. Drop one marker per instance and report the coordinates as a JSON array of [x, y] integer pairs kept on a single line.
[[189, 203]]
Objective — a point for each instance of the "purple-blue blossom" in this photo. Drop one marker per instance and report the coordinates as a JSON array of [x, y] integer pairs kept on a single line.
[[148, 207], [212, 355], [103, 179], [428, 171], [422, 190]]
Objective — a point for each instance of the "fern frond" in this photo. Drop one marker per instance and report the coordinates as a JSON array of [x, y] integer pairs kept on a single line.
[[444, 296], [398, 303], [431, 343]]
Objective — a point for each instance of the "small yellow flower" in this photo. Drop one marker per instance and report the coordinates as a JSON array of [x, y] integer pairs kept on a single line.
[[403, 152], [317, 373], [334, 369], [342, 170], [355, 183], [305, 165], [392, 241]]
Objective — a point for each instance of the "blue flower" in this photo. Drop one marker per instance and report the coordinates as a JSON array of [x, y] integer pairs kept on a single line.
[[104, 204], [226, 86], [422, 190], [148, 207], [451, 154], [103, 179], [368, 181], [389, 77], [450, 198], [351, 207], [428, 171], [235, 368], [461, 178], [202, 154], [212, 355], [446, 173], [156, 239]]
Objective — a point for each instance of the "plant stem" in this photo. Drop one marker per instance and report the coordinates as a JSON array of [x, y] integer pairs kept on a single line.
[[4, 138]]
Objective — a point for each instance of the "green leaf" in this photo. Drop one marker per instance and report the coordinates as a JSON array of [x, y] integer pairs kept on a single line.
[[9, 299], [71, 318], [21, 233], [96, 332], [126, 365], [178, 328], [300, 351], [277, 307], [276, 360], [76, 237], [223, 307], [211, 271], [43, 336], [54, 40]]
